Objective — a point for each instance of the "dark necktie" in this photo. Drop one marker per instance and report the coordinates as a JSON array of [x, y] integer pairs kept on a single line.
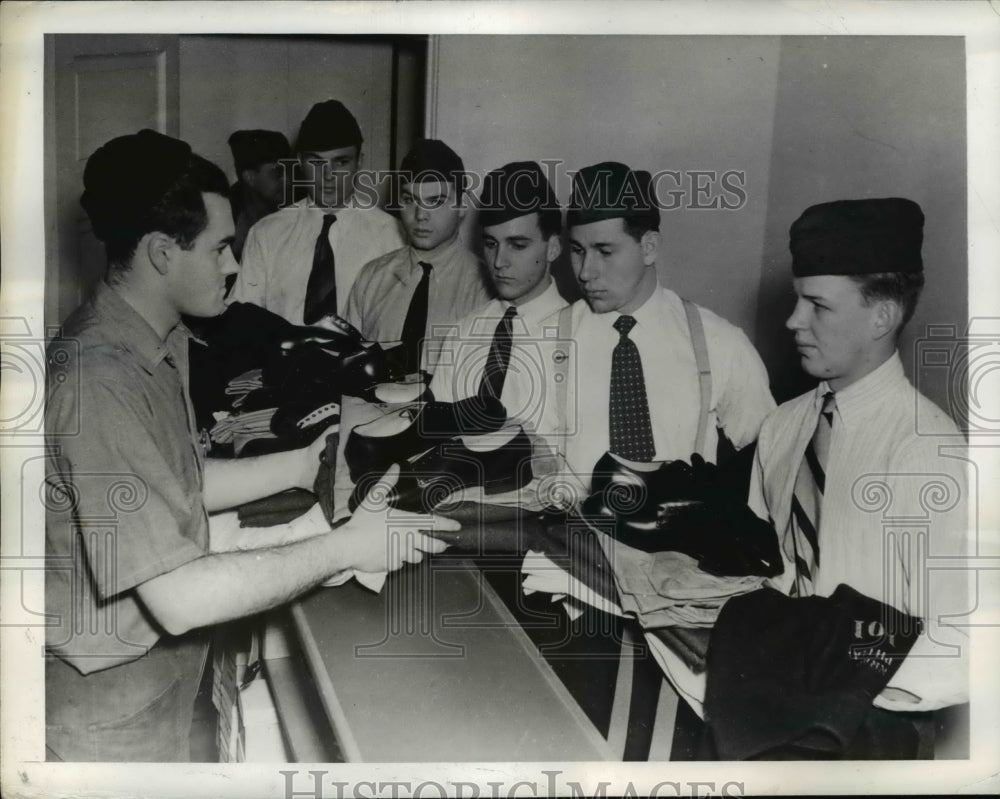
[[321, 290], [807, 501], [415, 324], [631, 432], [495, 371]]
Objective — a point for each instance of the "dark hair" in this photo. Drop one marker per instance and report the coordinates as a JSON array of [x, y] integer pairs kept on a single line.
[[901, 287], [638, 224], [549, 222], [180, 212]]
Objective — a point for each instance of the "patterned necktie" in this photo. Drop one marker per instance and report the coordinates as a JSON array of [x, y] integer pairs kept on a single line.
[[495, 371], [321, 290], [807, 501], [415, 324], [631, 432]]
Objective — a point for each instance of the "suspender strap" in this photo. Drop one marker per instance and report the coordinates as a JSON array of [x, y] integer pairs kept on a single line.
[[560, 367], [700, 347]]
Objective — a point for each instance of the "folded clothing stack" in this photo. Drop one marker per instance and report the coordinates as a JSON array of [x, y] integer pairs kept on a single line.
[[664, 589], [794, 678], [243, 428]]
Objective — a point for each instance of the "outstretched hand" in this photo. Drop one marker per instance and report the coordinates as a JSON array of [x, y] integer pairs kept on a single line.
[[381, 538]]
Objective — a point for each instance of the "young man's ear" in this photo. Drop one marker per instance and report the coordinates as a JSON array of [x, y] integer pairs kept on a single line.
[[649, 244], [553, 247], [160, 250], [888, 318]]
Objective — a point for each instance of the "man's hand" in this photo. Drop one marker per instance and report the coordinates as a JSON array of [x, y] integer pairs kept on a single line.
[[379, 538]]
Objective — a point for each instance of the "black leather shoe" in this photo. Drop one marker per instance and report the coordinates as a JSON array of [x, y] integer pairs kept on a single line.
[[428, 424], [679, 507], [451, 466], [624, 487]]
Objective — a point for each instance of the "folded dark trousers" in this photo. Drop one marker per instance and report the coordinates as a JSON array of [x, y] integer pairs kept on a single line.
[[797, 676]]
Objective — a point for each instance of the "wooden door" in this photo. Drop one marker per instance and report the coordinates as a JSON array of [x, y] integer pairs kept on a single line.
[[97, 87]]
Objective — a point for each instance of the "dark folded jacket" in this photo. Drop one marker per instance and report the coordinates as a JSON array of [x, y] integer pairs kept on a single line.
[[799, 674]]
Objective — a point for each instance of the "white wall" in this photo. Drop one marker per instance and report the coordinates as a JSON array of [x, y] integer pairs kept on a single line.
[[807, 119], [869, 116], [654, 103], [229, 83]]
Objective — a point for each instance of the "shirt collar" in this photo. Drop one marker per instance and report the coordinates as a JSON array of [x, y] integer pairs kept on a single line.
[[869, 391], [646, 313], [307, 202], [441, 258], [542, 306], [134, 333]]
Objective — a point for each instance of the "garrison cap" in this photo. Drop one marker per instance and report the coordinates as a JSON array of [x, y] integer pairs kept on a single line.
[[432, 159], [328, 126], [611, 190], [518, 189], [857, 237], [251, 148]]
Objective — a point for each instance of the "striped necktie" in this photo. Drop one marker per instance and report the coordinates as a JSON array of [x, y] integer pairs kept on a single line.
[[321, 290], [807, 501], [495, 371], [629, 426]]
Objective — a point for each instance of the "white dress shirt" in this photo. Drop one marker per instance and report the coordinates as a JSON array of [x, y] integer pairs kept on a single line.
[[279, 250], [892, 497], [740, 397], [463, 355], [382, 292]]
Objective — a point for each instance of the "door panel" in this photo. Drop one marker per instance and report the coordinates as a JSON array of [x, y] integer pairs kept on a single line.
[[101, 87]]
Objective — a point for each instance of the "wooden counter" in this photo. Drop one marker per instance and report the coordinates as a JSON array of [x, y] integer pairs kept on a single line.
[[434, 668]]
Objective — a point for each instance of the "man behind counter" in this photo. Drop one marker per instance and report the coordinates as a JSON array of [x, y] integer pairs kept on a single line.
[[858, 273], [301, 262], [133, 576], [433, 280], [636, 374], [496, 350], [260, 185]]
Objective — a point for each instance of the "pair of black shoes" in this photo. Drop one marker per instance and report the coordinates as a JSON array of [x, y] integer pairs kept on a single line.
[[681, 507], [434, 461], [374, 448]]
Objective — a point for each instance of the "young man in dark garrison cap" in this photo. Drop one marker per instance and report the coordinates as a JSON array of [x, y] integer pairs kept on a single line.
[[633, 384], [301, 262], [497, 349], [260, 180], [133, 574], [835, 464], [434, 279]]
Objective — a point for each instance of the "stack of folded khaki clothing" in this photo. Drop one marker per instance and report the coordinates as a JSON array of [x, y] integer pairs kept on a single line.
[[664, 589], [243, 384], [243, 428]]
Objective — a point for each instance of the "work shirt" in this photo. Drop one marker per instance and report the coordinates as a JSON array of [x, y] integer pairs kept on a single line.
[[123, 481], [893, 496], [382, 292], [460, 366], [278, 255], [740, 397]]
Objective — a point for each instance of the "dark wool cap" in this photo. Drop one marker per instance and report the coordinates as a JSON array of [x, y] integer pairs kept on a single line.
[[857, 237], [127, 176], [432, 159], [251, 148], [328, 126], [610, 190], [518, 189]]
